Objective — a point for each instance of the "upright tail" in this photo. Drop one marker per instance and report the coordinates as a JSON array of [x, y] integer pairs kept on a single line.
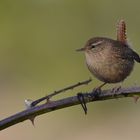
[[121, 32]]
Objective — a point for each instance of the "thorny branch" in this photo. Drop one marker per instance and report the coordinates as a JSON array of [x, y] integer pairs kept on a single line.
[[67, 102]]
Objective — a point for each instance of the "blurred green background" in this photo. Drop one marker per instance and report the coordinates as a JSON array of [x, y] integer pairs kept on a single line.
[[38, 39]]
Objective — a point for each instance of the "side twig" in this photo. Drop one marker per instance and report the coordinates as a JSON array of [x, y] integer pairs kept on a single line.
[[34, 103], [66, 102]]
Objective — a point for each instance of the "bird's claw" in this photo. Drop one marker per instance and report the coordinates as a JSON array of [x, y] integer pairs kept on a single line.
[[116, 89], [96, 92]]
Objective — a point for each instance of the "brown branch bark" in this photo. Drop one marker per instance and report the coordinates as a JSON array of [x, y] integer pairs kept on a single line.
[[66, 102]]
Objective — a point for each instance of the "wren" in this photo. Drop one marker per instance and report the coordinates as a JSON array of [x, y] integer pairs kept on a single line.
[[109, 60]]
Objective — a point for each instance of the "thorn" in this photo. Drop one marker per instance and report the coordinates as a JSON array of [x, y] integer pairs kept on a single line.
[[28, 105], [81, 99], [32, 119], [136, 98]]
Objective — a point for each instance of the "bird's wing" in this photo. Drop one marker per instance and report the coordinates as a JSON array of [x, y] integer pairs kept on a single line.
[[130, 54]]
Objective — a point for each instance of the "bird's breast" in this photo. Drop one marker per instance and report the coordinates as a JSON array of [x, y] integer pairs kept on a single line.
[[108, 66]]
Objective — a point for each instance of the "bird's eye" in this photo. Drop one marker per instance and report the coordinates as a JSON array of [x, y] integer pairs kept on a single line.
[[93, 46]]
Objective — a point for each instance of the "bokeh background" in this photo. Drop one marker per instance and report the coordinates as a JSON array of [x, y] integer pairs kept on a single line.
[[38, 39]]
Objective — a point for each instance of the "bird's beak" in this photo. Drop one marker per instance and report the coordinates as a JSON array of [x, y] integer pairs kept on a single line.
[[81, 49]]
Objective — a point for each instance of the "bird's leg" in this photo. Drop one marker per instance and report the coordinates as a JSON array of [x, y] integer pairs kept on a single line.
[[96, 92]]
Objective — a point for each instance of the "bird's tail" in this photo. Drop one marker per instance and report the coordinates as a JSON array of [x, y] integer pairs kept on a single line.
[[121, 32]]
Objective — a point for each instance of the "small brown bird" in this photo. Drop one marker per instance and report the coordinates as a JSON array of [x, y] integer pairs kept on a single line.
[[110, 61]]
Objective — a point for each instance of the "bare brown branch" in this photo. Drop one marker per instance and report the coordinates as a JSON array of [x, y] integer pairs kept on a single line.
[[66, 102]]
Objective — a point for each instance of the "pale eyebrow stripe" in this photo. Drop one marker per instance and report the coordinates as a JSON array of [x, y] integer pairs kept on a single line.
[[97, 43]]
